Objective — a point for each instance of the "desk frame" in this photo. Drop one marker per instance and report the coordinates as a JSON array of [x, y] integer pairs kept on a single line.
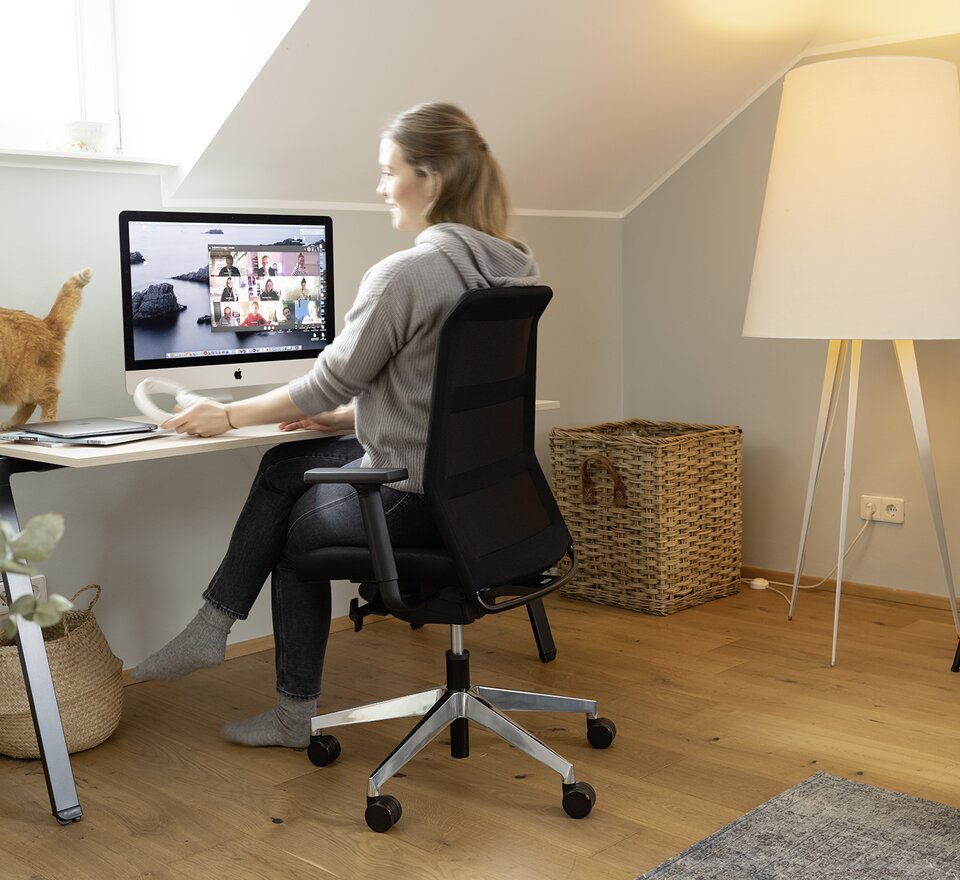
[[36, 669]]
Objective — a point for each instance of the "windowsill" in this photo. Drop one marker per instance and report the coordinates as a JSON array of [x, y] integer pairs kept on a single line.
[[64, 159]]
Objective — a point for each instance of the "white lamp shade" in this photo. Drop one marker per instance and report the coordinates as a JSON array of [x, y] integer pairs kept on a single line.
[[860, 234]]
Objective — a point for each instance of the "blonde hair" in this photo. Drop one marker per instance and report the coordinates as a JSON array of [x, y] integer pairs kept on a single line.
[[440, 139]]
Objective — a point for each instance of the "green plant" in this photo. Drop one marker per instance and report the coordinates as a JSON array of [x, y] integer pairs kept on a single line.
[[17, 551]]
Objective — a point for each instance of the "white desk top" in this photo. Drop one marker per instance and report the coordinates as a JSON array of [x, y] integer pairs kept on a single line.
[[166, 445], [162, 445]]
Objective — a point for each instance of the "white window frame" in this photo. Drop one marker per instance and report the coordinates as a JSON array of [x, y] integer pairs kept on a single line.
[[96, 127]]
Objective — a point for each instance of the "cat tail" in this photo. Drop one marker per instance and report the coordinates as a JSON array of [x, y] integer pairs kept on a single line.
[[61, 316]]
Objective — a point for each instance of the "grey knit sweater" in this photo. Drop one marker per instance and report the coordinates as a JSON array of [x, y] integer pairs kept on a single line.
[[385, 356]]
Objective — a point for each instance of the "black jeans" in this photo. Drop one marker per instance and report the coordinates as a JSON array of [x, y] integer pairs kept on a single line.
[[284, 517]]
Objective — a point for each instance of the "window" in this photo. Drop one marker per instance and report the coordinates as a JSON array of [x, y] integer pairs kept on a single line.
[[60, 61]]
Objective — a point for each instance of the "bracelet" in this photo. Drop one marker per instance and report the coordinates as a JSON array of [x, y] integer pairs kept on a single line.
[[226, 412]]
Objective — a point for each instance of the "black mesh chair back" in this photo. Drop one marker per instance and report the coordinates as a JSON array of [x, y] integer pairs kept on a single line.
[[497, 515]]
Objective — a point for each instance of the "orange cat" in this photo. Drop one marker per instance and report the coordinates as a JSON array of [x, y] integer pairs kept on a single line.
[[31, 353]]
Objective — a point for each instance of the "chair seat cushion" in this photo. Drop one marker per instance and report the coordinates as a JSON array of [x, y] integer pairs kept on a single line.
[[434, 568], [427, 581]]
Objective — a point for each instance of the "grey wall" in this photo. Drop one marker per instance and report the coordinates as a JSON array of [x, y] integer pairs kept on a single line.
[[688, 254], [152, 533]]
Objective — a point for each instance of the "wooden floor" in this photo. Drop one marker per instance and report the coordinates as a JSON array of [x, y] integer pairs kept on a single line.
[[718, 708]]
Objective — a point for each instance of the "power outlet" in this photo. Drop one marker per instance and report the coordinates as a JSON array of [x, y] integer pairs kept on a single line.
[[885, 509]]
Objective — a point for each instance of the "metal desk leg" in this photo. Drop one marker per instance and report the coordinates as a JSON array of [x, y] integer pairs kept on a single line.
[[36, 674]]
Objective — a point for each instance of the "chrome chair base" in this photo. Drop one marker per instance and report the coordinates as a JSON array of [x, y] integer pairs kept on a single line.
[[440, 707], [455, 706]]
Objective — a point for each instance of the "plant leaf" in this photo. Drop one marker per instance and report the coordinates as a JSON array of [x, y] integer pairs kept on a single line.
[[61, 603], [9, 626], [16, 567], [24, 606], [38, 538], [7, 534], [45, 615]]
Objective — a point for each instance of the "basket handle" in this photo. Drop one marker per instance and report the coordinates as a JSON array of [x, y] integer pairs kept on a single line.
[[590, 490], [86, 611]]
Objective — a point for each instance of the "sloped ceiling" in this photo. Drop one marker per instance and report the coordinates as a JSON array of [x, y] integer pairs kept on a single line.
[[587, 105]]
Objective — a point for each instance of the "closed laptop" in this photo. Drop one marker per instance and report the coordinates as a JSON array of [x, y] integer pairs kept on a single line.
[[72, 429]]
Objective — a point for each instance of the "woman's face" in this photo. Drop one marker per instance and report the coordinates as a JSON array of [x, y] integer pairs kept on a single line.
[[269, 285], [407, 193]]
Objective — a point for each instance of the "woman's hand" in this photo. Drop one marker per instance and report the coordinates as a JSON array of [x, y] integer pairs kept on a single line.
[[339, 421], [205, 418]]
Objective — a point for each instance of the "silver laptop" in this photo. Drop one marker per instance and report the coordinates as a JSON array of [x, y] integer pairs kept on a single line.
[[76, 429]]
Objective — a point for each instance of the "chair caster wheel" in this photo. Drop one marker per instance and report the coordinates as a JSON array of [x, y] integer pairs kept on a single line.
[[578, 799], [382, 812], [601, 732], [323, 749]]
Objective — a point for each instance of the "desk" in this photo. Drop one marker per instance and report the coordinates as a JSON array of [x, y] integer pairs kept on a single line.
[[16, 458]]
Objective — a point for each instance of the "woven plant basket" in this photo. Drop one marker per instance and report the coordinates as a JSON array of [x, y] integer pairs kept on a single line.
[[87, 678], [654, 509]]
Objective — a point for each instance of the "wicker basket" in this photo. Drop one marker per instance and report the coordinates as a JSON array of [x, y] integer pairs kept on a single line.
[[654, 509], [87, 678]]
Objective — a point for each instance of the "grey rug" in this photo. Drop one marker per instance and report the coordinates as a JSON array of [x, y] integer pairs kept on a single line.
[[827, 827]]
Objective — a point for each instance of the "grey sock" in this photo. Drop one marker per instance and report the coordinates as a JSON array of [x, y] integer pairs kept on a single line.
[[202, 644], [286, 724]]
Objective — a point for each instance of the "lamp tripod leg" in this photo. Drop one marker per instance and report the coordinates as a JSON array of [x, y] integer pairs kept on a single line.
[[852, 396], [832, 377], [907, 361]]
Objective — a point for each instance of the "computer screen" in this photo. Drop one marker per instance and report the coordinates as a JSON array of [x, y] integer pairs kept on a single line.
[[214, 300]]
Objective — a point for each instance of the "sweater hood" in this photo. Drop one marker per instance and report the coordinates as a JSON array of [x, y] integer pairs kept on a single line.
[[481, 259]]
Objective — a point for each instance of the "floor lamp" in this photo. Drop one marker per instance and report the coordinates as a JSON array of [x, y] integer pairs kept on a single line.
[[860, 239]]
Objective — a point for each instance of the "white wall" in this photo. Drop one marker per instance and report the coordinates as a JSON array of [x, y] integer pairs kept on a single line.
[[580, 359], [153, 533], [688, 254]]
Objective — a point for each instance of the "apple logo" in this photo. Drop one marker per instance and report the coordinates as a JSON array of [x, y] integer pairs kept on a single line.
[[237, 374]]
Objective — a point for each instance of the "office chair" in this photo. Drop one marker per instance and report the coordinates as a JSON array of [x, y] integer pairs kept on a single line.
[[501, 528]]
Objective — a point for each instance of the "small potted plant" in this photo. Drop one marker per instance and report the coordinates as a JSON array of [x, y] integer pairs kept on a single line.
[[87, 676], [17, 551]]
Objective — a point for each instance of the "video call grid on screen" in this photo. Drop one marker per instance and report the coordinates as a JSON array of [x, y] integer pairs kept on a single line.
[[210, 288]]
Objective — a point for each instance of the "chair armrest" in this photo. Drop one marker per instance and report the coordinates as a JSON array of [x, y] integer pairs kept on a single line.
[[367, 483], [355, 476]]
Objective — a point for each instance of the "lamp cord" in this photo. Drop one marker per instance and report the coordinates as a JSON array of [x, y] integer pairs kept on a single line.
[[822, 580]]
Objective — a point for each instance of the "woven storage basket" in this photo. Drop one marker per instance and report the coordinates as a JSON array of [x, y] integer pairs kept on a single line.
[[654, 509], [87, 678]]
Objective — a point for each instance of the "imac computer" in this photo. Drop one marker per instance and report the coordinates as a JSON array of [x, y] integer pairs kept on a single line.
[[222, 301]]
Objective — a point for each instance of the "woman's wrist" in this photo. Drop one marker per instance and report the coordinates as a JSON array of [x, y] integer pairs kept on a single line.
[[226, 412]]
